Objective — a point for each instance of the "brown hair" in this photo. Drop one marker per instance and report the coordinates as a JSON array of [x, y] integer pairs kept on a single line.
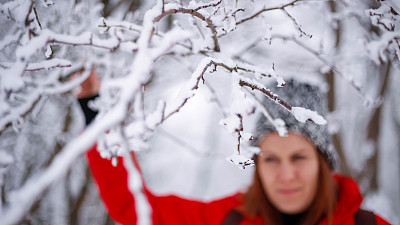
[[257, 203]]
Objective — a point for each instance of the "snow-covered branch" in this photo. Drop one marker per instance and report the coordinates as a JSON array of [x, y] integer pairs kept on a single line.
[[387, 18], [11, 115], [129, 88], [45, 65], [174, 9], [133, 59]]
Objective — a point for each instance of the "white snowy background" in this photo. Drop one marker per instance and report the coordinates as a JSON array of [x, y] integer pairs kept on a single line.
[[169, 84]]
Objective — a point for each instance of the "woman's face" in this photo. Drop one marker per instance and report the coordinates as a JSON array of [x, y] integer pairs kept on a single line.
[[289, 169]]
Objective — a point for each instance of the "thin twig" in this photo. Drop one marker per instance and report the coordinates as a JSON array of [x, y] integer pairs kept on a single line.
[[356, 87], [239, 130], [267, 92], [208, 6], [27, 20], [296, 24], [89, 43], [265, 10], [260, 103], [37, 18]]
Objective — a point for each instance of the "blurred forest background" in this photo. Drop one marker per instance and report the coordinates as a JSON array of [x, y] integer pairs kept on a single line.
[[349, 48]]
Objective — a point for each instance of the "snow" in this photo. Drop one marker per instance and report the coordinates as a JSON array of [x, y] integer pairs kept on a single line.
[[48, 52], [280, 127], [48, 64], [101, 22], [246, 136], [142, 206], [14, 113], [302, 115], [47, 3], [240, 161], [17, 10], [67, 86], [5, 159], [280, 81], [10, 78], [156, 117], [376, 49], [199, 4], [241, 104], [114, 161], [231, 123], [128, 46], [17, 124]]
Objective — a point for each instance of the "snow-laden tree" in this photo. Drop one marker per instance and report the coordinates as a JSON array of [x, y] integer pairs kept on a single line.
[[204, 63]]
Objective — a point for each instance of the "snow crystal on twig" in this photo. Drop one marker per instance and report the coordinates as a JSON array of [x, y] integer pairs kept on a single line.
[[47, 3], [246, 136], [230, 123], [240, 161], [48, 51]]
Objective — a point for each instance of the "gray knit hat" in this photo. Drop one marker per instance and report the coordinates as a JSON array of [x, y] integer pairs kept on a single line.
[[303, 95]]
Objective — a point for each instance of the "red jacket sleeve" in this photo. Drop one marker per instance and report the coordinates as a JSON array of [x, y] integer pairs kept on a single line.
[[113, 187], [120, 203], [380, 221]]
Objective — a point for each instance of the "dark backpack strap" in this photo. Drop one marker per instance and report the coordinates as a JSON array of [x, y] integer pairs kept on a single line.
[[364, 217], [361, 217], [233, 218]]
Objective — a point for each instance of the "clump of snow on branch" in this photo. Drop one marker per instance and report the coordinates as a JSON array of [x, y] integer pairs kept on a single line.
[[240, 161], [303, 115], [240, 106], [280, 127]]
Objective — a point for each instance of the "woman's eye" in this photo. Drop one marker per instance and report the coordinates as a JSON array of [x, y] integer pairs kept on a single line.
[[299, 157], [270, 159]]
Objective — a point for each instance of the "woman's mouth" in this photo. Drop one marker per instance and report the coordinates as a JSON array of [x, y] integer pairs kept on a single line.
[[288, 191]]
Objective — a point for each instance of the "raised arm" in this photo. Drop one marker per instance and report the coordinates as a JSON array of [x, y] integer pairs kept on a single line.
[[112, 183], [170, 209]]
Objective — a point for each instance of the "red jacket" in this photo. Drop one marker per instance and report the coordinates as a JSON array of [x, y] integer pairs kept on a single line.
[[173, 210]]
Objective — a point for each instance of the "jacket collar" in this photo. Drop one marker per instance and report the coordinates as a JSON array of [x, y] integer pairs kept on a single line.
[[348, 202]]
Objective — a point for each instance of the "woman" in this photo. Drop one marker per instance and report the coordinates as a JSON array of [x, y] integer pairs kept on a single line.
[[293, 181]]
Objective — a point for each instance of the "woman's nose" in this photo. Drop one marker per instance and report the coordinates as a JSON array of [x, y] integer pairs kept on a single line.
[[287, 172]]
